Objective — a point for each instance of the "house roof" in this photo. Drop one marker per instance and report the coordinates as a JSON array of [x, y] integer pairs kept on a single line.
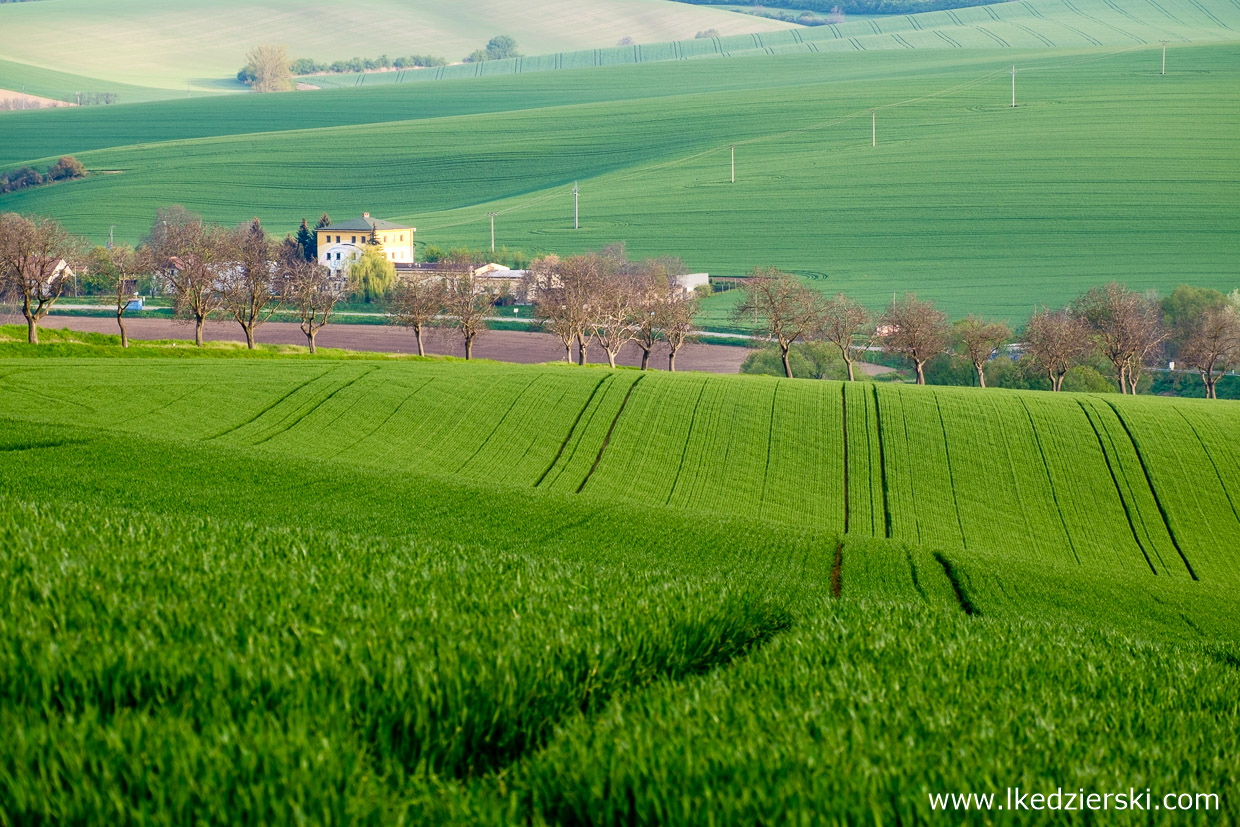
[[364, 224]]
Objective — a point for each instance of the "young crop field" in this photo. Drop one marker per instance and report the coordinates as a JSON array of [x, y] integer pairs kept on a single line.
[[1096, 481], [1105, 169], [199, 48], [273, 590]]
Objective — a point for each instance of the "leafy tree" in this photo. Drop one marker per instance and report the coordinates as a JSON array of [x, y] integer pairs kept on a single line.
[[307, 242], [501, 46], [477, 56], [809, 360], [67, 167], [269, 67], [371, 274]]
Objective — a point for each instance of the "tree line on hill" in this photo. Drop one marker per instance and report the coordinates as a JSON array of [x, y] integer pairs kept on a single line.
[[603, 297], [1126, 331], [65, 169], [851, 6], [268, 67]]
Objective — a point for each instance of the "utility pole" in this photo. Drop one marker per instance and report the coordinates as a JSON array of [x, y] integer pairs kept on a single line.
[[733, 164], [576, 225], [492, 215], [1013, 87], [873, 127], [111, 236], [1164, 68]]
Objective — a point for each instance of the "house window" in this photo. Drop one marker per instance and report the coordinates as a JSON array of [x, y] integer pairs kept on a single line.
[[354, 239]]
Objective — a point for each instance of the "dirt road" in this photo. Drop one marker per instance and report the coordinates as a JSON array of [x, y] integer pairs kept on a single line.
[[502, 345]]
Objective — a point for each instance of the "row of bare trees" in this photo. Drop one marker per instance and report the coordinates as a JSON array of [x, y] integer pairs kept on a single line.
[[241, 272], [1129, 330], [604, 297]]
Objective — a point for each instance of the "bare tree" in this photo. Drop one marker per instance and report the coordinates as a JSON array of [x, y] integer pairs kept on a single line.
[[674, 317], [978, 340], [847, 324], [566, 298], [1056, 341], [467, 303], [191, 255], [35, 256], [247, 285], [1126, 327], [1212, 345], [545, 289], [309, 287], [916, 329], [120, 265], [416, 301], [782, 306], [615, 304]]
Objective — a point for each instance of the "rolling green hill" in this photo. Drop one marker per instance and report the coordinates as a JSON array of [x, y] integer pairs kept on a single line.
[[480, 592], [194, 47], [1105, 170]]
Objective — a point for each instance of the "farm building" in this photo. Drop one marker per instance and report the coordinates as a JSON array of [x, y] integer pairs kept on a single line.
[[343, 241]]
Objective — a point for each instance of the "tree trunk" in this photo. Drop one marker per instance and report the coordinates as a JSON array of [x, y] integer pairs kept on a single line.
[[120, 321], [645, 357], [568, 351], [671, 360], [1123, 379], [921, 372], [469, 347], [611, 358], [981, 374], [199, 321], [417, 334], [32, 330], [249, 336], [1209, 381], [851, 376], [783, 354], [310, 337], [1057, 382], [581, 350]]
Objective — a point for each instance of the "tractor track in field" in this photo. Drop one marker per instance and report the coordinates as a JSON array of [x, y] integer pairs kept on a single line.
[[964, 541], [953, 577], [882, 464], [572, 429], [1046, 468], [1162, 511], [607, 439], [511, 407], [1217, 473], [258, 415], [316, 406], [844, 429], [684, 451], [1119, 492]]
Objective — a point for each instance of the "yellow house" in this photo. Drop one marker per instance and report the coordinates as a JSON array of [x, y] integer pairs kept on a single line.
[[342, 242]]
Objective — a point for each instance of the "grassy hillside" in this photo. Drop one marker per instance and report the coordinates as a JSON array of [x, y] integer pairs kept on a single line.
[[1096, 481], [471, 592], [198, 47], [1105, 171]]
